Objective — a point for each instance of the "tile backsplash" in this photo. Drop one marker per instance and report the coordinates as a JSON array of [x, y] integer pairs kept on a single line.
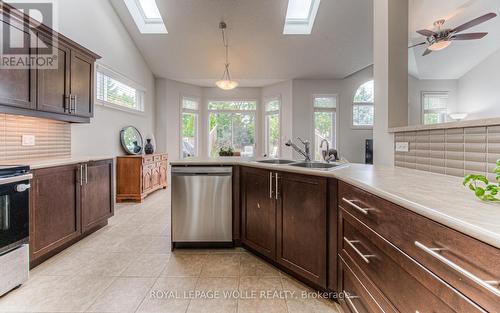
[[454, 151], [52, 138]]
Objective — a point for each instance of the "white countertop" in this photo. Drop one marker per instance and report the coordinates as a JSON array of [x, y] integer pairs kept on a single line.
[[44, 163], [439, 197]]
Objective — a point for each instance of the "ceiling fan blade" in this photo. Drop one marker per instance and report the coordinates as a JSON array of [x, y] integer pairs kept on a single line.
[[416, 45], [427, 52], [474, 22], [470, 36], [426, 32]]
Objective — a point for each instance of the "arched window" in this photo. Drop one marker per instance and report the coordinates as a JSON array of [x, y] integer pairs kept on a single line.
[[362, 107]]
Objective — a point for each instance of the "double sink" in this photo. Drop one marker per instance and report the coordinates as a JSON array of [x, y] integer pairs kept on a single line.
[[310, 165]]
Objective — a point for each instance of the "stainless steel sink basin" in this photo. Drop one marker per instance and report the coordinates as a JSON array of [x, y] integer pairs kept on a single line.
[[317, 165], [276, 161]]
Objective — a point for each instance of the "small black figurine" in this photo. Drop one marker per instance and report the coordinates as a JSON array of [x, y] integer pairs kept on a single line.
[[148, 148]]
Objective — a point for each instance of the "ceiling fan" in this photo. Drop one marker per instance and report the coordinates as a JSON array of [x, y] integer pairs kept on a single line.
[[442, 37]]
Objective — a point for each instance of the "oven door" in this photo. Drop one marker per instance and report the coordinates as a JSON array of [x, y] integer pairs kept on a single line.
[[14, 211]]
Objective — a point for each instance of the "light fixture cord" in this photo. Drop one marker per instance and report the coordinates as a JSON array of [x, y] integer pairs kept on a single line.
[[226, 47]]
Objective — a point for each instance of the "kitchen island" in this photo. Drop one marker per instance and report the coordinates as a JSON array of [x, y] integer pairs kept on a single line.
[[354, 227]]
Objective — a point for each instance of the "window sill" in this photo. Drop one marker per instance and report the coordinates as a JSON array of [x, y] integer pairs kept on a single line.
[[119, 108], [356, 127]]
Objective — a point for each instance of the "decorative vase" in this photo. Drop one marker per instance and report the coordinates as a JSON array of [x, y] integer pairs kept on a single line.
[[148, 148]]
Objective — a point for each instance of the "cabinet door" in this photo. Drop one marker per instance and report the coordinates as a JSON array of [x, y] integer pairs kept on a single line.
[[163, 174], [301, 226], [53, 84], [97, 193], [82, 84], [146, 178], [155, 176], [18, 85], [54, 210], [258, 211]]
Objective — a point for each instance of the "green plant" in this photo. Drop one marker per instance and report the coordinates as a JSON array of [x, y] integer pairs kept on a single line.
[[226, 151], [482, 187]]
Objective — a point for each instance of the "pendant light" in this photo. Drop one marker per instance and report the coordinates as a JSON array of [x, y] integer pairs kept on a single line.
[[226, 83]]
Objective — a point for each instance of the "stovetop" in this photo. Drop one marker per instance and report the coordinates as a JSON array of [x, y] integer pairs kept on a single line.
[[13, 170]]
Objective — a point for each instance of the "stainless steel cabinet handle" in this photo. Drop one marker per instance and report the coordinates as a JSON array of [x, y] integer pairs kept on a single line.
[[350, 303], [86, 174], [81, 175], [276, 191], [365, 257], [270, 185], [488, 285], [357, 207]]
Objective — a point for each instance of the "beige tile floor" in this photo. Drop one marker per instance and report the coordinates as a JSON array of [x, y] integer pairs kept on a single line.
[[128, 267]]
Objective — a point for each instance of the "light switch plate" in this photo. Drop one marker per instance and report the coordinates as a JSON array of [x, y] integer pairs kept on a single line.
[[402, 146], [28, 140]]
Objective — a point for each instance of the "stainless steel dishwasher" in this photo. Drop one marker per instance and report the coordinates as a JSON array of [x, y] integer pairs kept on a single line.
[[201, 206]]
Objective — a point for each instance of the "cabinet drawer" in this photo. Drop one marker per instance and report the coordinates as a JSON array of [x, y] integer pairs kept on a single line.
[[356, 297], [164, 157], [463, 262], [408, 285], [157, 158], [147, 160]]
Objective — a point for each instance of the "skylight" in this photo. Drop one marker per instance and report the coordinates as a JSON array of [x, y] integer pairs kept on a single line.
[[300, 17], [146, 16]]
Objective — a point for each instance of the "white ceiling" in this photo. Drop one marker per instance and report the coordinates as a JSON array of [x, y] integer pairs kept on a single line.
[[461, 56], [341, 41]]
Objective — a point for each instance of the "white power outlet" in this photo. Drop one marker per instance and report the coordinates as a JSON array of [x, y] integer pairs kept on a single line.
[[402, 146], [28, 140]]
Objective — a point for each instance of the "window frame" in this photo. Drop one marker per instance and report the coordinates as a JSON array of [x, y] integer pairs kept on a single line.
[[141, 91], [266, 128], [355, 104], [335, 127], [423, 94], [182, 110], [255, 114]]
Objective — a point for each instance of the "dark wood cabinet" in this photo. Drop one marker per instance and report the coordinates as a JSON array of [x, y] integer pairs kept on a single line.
[[67, 203], [302, 225], [55, 212], [97, 193], [64, 91], [258, 216], [53, 84], [82, 84], [137, 176], [284, 218], [18, 86]]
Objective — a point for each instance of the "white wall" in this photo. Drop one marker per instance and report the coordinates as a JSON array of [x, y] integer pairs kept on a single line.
[[480, 89], [417, 86], [104, 33], [284, 91]]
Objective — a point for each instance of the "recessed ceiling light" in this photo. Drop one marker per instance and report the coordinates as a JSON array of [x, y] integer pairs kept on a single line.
[[300, 16], [146, 16]]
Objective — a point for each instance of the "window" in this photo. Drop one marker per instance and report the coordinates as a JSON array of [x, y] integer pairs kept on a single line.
[[146, 16], [117, 91], [300, 17], [363, 109], [435, 107], [189, 127], [231, 126], [272, 125], [325, 111]]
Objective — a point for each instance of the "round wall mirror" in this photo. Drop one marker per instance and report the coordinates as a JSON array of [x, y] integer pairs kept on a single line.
[[131, 140]]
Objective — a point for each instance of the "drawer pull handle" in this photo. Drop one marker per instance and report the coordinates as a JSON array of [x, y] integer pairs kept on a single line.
[[350, 303], [357, 207], [488, 285], [365, 257]]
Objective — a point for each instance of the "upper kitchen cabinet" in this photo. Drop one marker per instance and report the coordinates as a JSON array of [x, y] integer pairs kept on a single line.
[[18, 86], [59, 80]]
